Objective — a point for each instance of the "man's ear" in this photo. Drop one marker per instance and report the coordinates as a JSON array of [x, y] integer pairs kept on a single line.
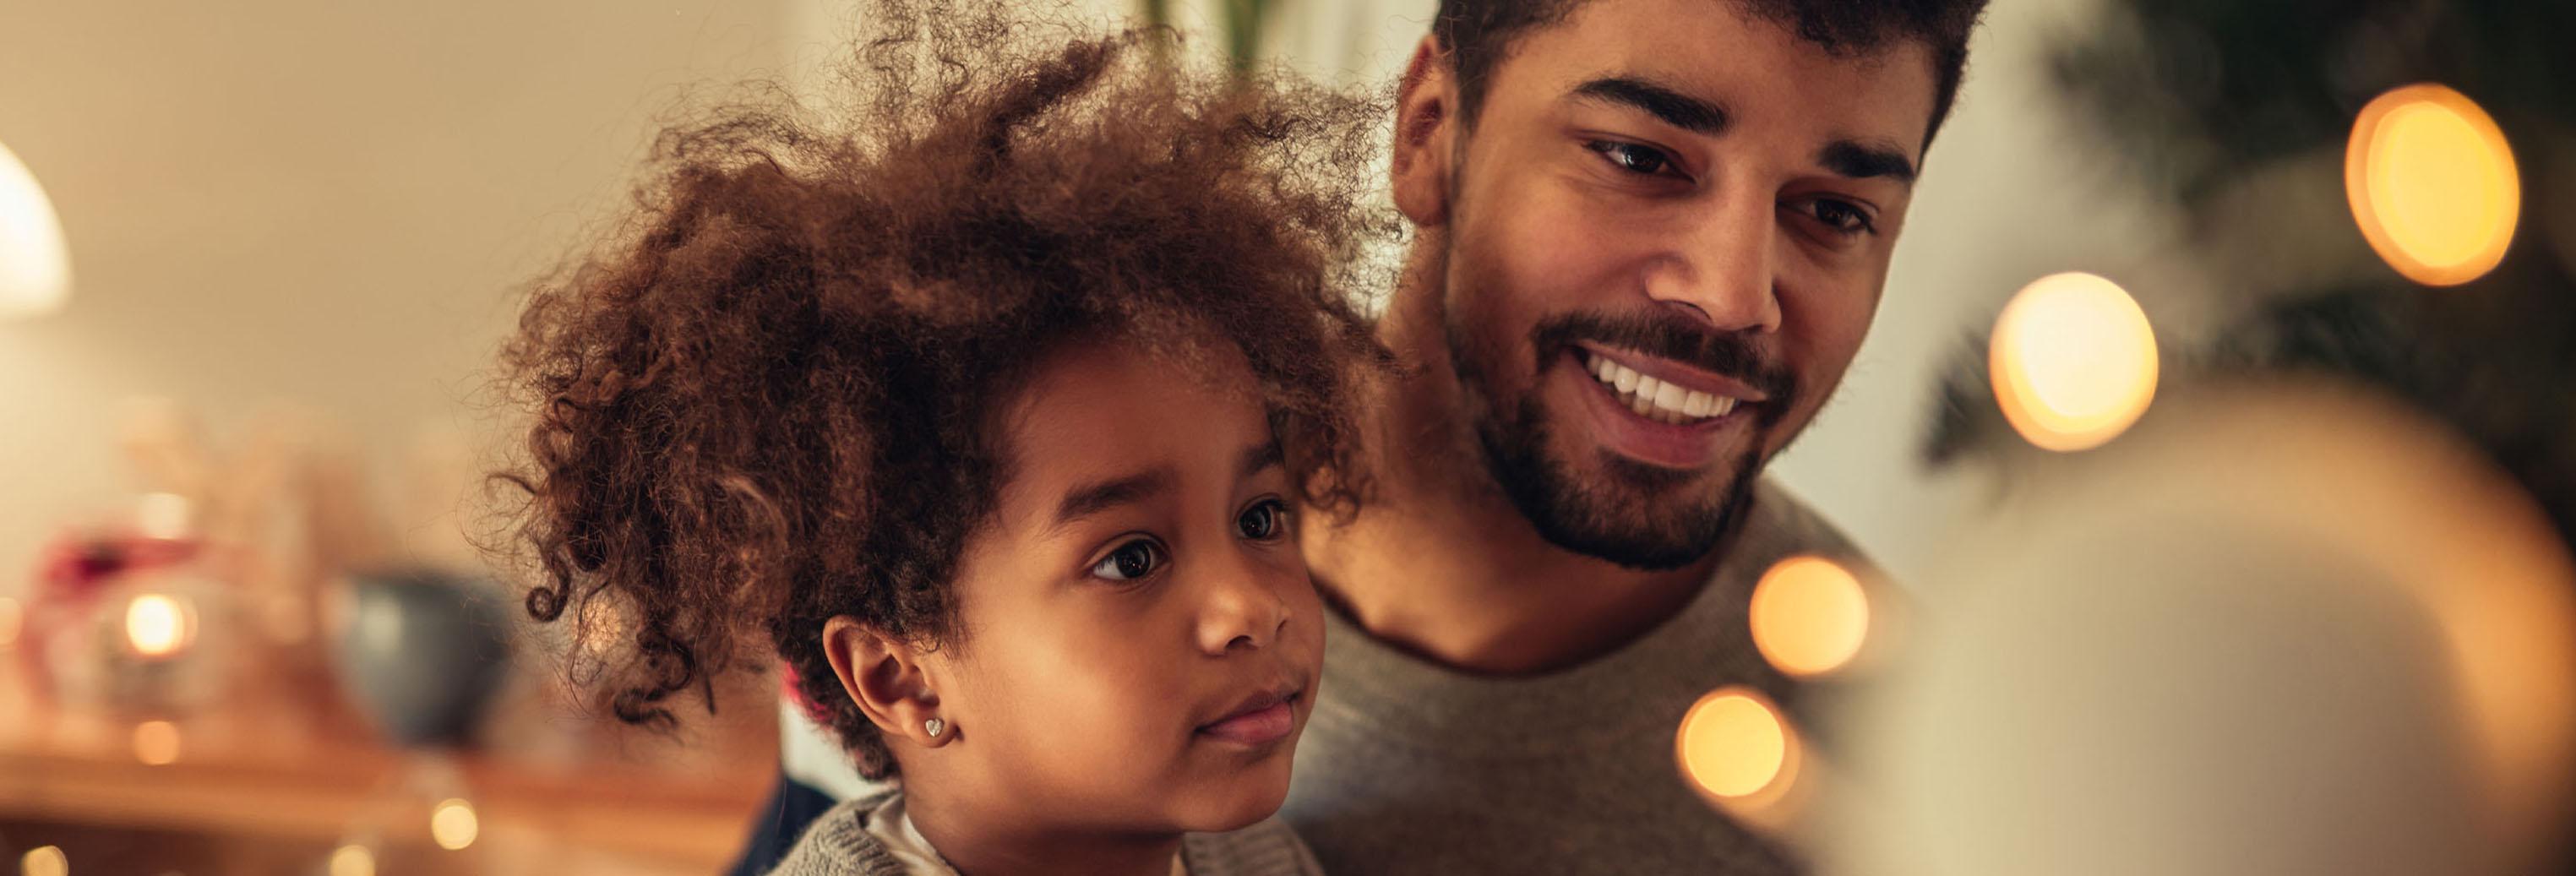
[[883, 674], [1426, 128]]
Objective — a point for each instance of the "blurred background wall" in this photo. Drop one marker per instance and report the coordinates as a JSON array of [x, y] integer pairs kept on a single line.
[[335, 206], [321, 204]]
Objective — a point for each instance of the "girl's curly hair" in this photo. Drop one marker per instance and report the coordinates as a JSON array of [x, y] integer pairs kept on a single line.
[[770, 399]]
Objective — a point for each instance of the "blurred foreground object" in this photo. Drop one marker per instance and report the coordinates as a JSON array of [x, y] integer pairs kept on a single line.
[[2278, 629]]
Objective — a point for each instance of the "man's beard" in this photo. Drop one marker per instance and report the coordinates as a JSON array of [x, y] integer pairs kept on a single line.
[[1637, 515]]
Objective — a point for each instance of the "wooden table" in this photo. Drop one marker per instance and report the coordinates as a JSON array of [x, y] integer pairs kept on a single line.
[[274, 781]]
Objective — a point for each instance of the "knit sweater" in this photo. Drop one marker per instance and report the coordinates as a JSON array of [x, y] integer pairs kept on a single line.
[[840, 844]]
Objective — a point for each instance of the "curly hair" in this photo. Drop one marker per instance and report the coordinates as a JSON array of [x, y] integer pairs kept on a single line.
[[772, 398]]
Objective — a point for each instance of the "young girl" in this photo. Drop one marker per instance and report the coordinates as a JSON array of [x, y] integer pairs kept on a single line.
[[986, 404]]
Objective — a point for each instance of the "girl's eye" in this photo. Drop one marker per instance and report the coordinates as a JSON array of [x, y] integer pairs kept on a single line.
[[1632, 158], [1129, 561], [1263, 521]]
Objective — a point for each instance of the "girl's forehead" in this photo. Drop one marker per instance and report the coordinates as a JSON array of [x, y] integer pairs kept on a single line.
[[1102, 413]]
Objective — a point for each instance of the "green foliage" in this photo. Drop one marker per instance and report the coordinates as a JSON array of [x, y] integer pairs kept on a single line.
[[2198, 91]]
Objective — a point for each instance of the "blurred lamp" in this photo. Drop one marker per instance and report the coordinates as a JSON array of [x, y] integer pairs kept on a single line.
[[353, 860], [44, 861], [2432, 184], [35, 266], [159, 625]]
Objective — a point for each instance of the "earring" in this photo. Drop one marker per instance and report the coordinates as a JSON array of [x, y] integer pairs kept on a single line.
[[933, 726]]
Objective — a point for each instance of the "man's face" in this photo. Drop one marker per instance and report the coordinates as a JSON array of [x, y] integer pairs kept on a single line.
[[1666, 233]]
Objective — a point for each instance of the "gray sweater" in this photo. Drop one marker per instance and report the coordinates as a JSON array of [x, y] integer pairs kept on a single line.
[[1411, 768], [839, 844]]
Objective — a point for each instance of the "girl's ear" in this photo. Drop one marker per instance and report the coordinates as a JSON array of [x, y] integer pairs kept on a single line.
[[884, 676]]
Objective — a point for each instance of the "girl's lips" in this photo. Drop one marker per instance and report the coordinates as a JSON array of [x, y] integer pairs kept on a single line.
[[1260, 726]]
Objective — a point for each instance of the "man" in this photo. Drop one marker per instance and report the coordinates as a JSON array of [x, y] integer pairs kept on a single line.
[[1650, 236]]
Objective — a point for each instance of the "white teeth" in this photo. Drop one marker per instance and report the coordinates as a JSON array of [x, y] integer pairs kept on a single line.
[[1661, 401], [1669, 397]]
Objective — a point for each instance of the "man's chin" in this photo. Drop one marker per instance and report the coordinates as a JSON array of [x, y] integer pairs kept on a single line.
[[1630, 513]]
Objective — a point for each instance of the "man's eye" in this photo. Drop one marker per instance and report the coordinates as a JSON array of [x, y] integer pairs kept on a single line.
[[1129, 561], [1264, 521], [1841, 216], [1632, 158]]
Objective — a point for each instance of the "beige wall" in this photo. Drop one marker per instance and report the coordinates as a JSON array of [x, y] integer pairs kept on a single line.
[[326, 203]]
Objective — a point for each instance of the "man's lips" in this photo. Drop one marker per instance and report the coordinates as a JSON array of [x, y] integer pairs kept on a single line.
[[1259, 720], [1654, 433]]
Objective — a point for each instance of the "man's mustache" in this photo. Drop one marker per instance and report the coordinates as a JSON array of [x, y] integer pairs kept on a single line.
[[1731, 354]]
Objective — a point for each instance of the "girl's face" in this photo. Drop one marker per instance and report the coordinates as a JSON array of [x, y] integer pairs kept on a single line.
[[1140, 641]]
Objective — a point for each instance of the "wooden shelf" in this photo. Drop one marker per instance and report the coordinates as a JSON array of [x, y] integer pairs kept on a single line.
[[554, 791]]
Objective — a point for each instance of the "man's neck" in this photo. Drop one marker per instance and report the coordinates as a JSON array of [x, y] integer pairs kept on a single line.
[[1441, 564], [983, 845], [1487, 600]]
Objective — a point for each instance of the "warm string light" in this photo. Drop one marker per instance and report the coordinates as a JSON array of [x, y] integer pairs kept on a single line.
[[2073, 361], [1735, 745], [1809, 616], [2432, 184], [453, 824], [156, 743]]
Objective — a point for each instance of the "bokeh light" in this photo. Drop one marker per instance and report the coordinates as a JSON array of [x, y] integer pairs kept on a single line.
[[45, 861], [157, 625], [156, 743], [1809, 616], [353, 860], [453, 825], [2432, 184], [1733, 743], [2073, 362]]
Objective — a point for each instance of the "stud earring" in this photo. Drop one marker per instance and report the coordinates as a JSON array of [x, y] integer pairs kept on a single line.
[[933, 726]]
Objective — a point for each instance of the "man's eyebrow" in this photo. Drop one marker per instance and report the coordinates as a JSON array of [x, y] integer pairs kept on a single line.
[[1257, 457], [1859, 160], [1673, 107], [1097, 496]]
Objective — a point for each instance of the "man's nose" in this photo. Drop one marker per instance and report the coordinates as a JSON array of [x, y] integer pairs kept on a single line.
[[1719, 268]]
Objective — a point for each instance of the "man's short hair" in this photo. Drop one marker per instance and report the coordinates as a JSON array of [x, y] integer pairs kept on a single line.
[[1478, 35]]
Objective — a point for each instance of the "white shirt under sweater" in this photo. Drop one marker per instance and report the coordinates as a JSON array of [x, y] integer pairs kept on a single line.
[[1406, 767]]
